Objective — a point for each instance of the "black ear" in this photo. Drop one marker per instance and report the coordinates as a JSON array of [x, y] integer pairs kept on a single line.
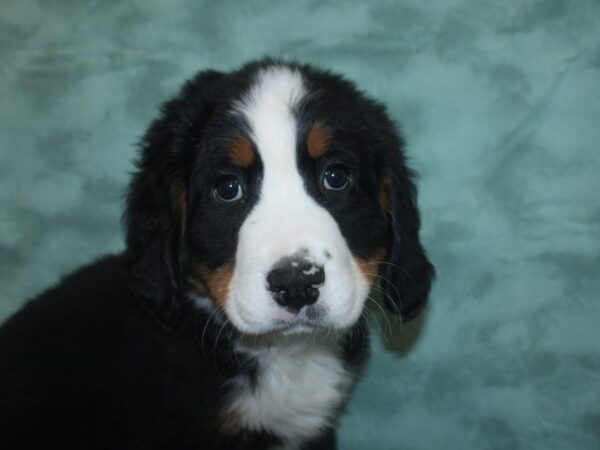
[[407, 274], [156, 208]]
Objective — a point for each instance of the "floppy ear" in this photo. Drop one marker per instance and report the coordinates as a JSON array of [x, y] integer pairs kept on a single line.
[[408, 274], [156, 208]]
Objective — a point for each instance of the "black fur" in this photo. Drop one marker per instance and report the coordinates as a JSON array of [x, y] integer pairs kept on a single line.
[[116, 356]]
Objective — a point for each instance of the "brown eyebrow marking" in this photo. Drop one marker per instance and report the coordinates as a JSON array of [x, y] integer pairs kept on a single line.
[[317, 140], [241, 152]]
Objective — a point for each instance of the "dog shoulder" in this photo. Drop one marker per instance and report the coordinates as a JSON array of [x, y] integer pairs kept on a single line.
[[80, 299]]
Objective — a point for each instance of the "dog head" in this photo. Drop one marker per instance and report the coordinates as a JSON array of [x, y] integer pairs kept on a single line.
[[279, 195]]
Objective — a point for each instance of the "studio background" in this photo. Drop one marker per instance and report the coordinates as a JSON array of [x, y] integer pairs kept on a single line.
[[500, 106]]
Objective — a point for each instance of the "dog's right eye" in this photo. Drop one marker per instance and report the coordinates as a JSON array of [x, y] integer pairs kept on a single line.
[[228, 189]]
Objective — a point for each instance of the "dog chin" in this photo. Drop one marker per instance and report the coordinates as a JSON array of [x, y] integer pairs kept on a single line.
[[303, 326], [293, 328], [298, 329]]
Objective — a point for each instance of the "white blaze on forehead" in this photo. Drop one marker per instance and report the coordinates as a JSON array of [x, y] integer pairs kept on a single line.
[[284, 204], [268, 109]]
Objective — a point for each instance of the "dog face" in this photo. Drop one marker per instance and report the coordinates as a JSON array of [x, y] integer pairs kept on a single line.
[[278, 193]]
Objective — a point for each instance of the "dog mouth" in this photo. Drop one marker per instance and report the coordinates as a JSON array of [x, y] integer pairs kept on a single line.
[[310, 317], [283, 324], [296, 328]]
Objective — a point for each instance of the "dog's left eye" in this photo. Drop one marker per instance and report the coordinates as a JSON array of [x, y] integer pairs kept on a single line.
[[228, 189], [335, 178]]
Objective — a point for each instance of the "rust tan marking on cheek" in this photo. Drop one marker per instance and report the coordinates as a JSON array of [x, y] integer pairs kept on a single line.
[[213, 282], [318, 140], [241, 152], [370, 266]]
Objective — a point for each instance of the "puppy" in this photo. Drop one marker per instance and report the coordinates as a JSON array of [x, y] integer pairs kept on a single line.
[[266, 204]]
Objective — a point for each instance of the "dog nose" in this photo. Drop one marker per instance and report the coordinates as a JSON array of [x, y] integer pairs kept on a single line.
[[295, 282]]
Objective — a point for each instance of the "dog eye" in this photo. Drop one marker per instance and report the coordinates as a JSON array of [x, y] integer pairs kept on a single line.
[[335, 178], [228, 189]]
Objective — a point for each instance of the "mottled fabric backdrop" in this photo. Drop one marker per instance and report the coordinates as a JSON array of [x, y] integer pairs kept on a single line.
[[500, 105]]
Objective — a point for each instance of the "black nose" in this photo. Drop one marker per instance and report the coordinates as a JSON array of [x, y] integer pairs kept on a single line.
[[295, 282]]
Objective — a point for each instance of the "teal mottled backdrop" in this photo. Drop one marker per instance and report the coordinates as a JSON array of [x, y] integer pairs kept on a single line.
[[500, 105]]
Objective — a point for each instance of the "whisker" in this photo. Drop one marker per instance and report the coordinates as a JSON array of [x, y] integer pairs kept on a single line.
[[389, 264], [204, 331], [383, 314], [385, 294], [381, 277], [391, 302]]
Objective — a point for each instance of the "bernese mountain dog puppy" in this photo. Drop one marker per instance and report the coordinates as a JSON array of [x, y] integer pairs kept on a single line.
[[266, 204]]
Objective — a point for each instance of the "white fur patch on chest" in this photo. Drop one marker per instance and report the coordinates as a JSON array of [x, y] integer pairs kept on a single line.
[[300, 384]]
